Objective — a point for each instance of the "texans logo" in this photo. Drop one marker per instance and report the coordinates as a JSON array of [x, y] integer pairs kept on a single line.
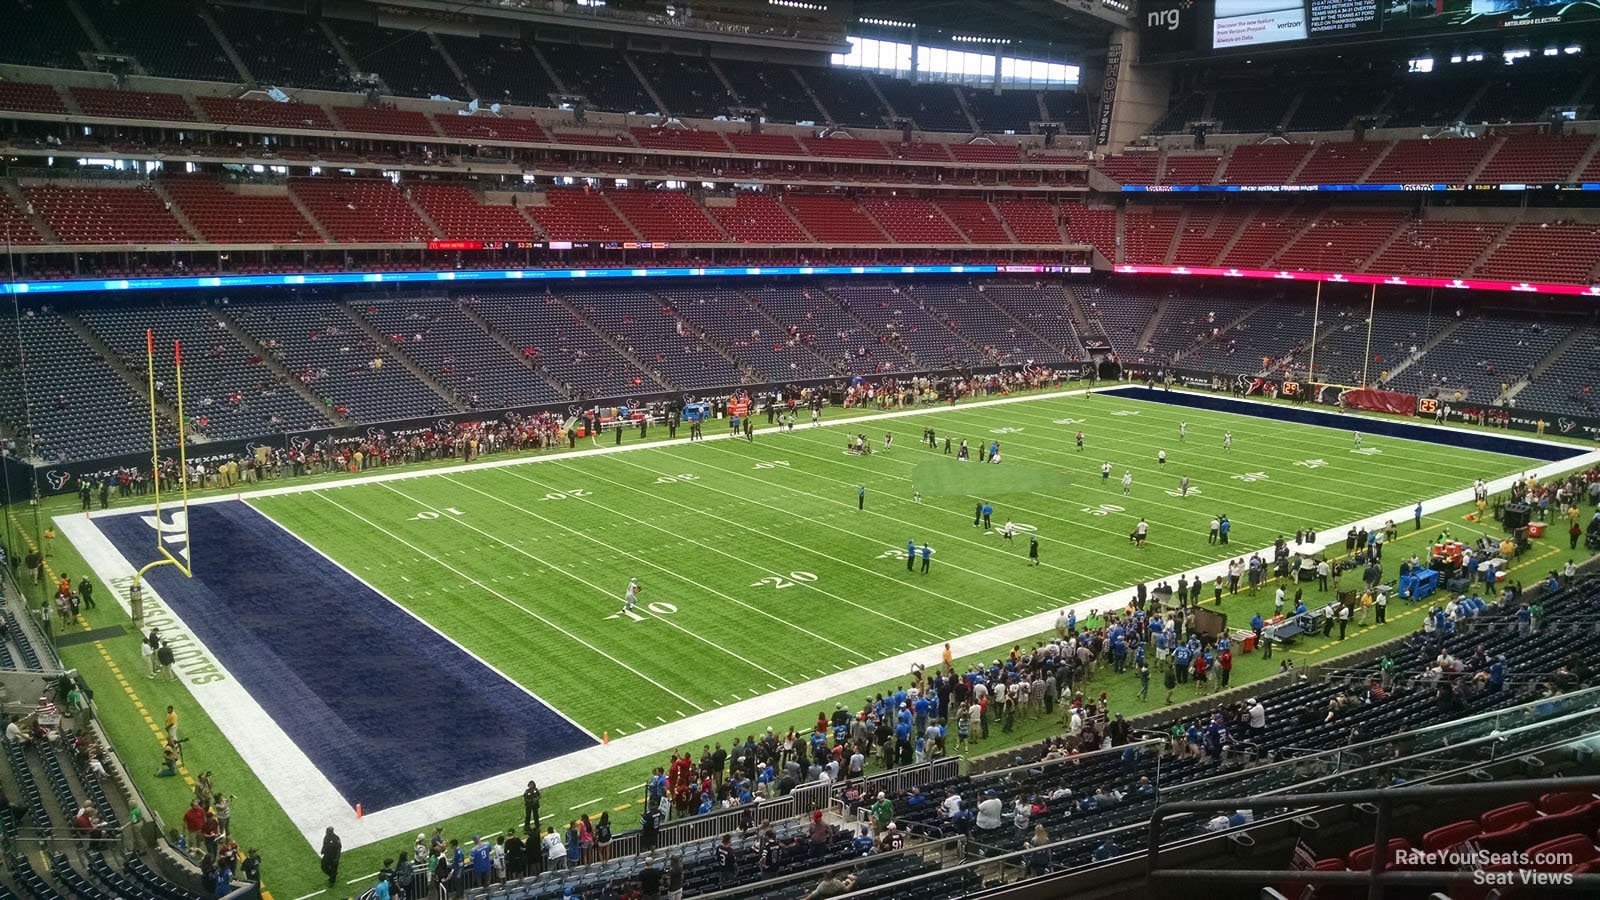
[[300, 443], [374, 434], [443, 425], [1243, 381], [57, 479], [253, 447], [1566, 425]]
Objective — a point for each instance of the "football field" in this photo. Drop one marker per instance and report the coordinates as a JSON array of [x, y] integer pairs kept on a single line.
[[422, 642]]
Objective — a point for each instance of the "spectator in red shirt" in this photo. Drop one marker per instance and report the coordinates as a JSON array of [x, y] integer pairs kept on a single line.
[[194, 821]]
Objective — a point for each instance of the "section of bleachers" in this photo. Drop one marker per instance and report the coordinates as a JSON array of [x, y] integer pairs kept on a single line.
[[771, 88], [1436, 98], [241, 213], [1041, 308], [897, 314], [932, 107], [654, 334], [770, 349], [228, 392], [834, 220], [765, 144], [383, 120], [1536, 159], [41, 34], [815, 320], [574, 215], [1092, 225], [1205, 233], [1033, 221], [175, 44], [119, 104], [1262, 163], [1571, 382], [462, 215], [1436, 247], [1552, 251], [845, 148], [1439, 161], [78, 410], [106, 215], [490, 128], [1148, 232], [912, 221], [283, 49], [454, 351], [1251, 110], [264, 113], [407, 60], [503, 70], [687, 141], [666, 216], [1190, 169], [1340, 240], [685, 84], [1340, 162], [978, 220], [361, 210], [1070, 108], [923, 150], [1123, 311], [601, 75], [1007, 111], [847, 96], [34, 98], [316, 341], [1003, 154], [756, 219], [15, 224], [550, 337], [1484, 355], [1266, 233], [965, 309], [1132, 168]]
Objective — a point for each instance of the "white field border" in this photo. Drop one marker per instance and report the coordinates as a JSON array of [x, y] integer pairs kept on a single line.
[[312, 803]]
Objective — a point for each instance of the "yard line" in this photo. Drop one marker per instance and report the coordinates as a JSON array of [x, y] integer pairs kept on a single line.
[[704, 486], [760, 568], [661, 720], [640, 724], [468, 525], [585, 805], [312, 894], [1073, 522], [470, 580], [1085, 549], [361, 878]]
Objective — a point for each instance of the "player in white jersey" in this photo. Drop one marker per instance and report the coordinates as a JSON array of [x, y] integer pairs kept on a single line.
[[1358, 440], [1127, 482], [1161, 457], [1183, 429], [631, 598], [1009, 531], [1105, 470], [1183, 486], [1227, 440]]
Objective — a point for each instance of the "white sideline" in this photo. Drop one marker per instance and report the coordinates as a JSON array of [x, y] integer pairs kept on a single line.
[[312, 803]]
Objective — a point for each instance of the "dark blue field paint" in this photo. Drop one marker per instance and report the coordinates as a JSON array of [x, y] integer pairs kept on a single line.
[[1311, 415], [388, 709]]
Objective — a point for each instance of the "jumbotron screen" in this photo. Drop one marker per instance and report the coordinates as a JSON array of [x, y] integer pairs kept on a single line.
[[1173, 28]]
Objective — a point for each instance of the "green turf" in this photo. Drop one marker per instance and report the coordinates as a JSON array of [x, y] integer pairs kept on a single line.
[[765, 572], [781, 505]]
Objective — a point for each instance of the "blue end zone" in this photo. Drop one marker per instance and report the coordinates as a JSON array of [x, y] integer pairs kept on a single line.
[[1303, 415], [388, 710]]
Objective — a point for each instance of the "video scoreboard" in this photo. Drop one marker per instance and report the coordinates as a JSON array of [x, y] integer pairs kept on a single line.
[[1174, 29]]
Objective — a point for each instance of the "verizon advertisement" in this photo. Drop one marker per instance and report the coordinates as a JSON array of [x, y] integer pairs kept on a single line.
[[1250, 23]]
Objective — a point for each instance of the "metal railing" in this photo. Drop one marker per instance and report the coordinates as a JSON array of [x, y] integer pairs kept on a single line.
[[1378, 877]]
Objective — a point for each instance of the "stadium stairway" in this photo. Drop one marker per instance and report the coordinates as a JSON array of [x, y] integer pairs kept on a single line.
[[1542, 366], [274, 365], [473, 315], [399, 354], [625, 352]]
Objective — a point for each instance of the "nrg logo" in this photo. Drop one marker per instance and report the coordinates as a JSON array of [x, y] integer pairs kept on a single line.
[[1171, 18]]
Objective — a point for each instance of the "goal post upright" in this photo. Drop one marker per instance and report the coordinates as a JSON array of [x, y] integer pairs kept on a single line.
[[165, 557]]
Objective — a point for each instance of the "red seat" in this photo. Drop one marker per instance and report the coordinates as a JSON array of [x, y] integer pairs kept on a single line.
[[1360, 859], [1554, 803], [1504, 817], [1446, 836], [1577, 847]]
